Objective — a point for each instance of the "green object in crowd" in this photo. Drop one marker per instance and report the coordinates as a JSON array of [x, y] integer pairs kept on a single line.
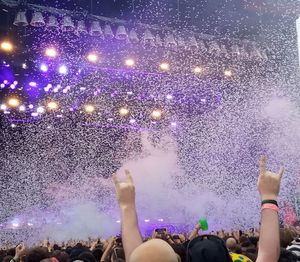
[[203, 223]]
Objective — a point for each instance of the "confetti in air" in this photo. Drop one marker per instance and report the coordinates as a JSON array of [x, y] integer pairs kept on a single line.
[[187, 111]]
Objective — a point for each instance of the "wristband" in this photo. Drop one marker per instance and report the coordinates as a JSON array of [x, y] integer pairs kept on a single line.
[[274, 202], [270, 206]]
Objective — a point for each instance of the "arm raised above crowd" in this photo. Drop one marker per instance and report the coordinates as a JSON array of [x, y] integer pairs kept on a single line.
[[131, 235], [268, 186]]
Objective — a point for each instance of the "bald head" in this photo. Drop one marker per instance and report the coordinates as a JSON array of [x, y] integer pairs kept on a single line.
[[154, 250], [231, 243]]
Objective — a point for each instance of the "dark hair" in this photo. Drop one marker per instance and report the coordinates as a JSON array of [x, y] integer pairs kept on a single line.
[[87, 256], [97, 252], [180, 250], [61, 256], [7, 258], [286, 237], [36, 254], [287, 256]]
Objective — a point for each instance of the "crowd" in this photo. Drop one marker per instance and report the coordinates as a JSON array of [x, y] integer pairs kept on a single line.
[[269, 243]]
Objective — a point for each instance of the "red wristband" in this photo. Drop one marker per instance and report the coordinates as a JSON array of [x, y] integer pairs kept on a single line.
[[270, 206]]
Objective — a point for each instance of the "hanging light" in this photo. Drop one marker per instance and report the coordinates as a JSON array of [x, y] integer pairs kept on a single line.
[[170, 41], [243, 53], [213, 48], [68, 24], [121, 33], [192, 43], [133, 37], [37, 20], [223, 50], [158, 41], [255, 53], [21, 19], [148, 38], [180, 42], [202, 46], [52, 24], [235, 50], [96, 30], [81, 28], [108, 33]]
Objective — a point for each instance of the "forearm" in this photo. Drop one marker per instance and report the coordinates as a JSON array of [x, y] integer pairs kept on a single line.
[[193, 234], [269, 241], [131, 235]]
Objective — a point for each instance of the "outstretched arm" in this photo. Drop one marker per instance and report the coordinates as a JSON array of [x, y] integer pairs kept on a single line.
[[268, 187], [131, 235]]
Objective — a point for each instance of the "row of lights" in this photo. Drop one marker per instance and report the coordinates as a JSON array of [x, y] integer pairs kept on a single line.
[[93, 57], [14, 102]]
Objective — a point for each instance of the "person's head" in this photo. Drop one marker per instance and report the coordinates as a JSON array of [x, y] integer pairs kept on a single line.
[[61, 256], [286, 237], [36, 254], [154, 250], [97, 252], [87, 256], [287, 256], [207, 248], [7, 258], [231, 244]]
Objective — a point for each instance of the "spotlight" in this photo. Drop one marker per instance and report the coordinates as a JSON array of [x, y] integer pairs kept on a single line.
[[129, 62], [51, 52], [5, 82], [147, 220], [156, 114], [44, 68], [169, 97], [173, 124], [13, 125], [2, 85], [33, 84], [198, 70], [52, 105], [22, 108], [132, 121], [228, 72], [13, 102], [89, 109], [40, 110], [123, 111], [6, 46], [3, 107], [92, 57], [24, 66], [15, 82], [63, 70], [164, 66]]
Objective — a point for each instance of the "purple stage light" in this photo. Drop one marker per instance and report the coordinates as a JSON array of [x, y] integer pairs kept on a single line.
[[173, 124], [12, 86], [147, 220], [30, 106], [13, 125], [3, 107], [2, 85], [44, 68], [118, 221], [203, 100], [32, 84], [169, 97], [22, 108], [160, 220], [129, 93], [132, 121], [15, 83], [5, 82], [6, 112], [63, 70], [110, 119], [34, 114]]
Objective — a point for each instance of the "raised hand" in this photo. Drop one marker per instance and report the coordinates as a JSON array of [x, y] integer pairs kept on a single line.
[[268, 183], [19, 250], [125, 191]]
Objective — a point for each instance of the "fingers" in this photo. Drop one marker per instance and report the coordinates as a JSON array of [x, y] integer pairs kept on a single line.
[[115, 179], [129, 177], [280, 172], [262, 165]]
